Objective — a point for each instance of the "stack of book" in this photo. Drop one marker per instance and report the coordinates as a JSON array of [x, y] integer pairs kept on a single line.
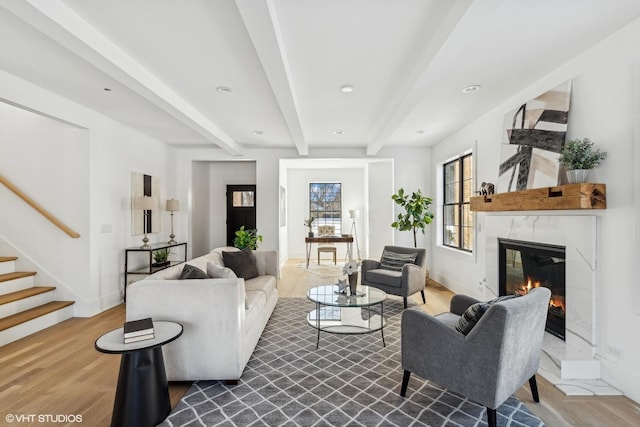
[[138, 330]]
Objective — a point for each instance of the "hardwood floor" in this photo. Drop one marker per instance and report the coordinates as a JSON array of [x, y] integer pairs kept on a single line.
[[58, 371]]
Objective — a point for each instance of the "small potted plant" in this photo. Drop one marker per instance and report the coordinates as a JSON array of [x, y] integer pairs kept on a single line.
[[579, 156], [309, 223], [161, 257], [247, 238]]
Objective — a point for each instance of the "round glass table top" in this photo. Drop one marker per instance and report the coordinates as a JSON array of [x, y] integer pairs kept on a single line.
[[329, 295], [164, 333]]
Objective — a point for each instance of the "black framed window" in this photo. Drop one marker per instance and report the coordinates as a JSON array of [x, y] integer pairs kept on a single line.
[[325, 205], [458, 188]]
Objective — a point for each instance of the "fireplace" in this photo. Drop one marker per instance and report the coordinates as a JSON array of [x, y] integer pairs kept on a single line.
[[525, 265]]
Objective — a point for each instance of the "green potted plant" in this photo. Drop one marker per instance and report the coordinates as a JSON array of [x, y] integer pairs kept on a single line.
[[416, 216], [579, 156], [309, 224], [247, 238], [161, 257]]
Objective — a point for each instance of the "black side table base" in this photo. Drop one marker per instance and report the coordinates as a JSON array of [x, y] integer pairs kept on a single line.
[[142, 396]]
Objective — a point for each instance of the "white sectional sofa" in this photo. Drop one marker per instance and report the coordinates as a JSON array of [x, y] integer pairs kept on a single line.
[[221, 329]]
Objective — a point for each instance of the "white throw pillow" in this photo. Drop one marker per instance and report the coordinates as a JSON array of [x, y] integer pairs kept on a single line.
[[218, 272]]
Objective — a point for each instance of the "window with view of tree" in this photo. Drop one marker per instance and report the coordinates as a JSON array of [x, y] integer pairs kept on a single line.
[[457, 217], [325, 204]]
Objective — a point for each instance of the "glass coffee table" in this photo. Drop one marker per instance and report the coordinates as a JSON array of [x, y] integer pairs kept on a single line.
[[338, 313]]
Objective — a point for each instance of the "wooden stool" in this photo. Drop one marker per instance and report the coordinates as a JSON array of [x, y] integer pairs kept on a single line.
[[331, 249]]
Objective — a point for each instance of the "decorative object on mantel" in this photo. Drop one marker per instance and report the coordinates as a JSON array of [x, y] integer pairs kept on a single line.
[[578, 156], [145, 204], [570, 196], [351, 270], [309, 224], [533, 136], [172, 206], [417, 214], [487, 188]]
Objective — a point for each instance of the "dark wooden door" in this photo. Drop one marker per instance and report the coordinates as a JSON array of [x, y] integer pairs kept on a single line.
[[241, 209]]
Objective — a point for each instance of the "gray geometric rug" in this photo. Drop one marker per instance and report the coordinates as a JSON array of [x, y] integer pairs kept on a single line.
[[350, 380]]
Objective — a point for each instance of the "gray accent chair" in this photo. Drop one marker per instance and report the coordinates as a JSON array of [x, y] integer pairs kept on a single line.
[[402, 283], [488, 365]]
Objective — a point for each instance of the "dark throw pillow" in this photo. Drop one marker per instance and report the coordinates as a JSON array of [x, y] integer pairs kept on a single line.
[[473, 314], [243, 263], [191, 272], [395, 261]]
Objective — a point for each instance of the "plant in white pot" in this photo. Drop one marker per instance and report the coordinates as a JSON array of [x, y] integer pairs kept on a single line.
[[578, 157]]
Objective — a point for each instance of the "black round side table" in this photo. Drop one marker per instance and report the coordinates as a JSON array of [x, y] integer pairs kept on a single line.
[[142, 396]]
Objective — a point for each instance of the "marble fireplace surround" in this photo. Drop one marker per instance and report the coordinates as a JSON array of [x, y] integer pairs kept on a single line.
[[571, 365]]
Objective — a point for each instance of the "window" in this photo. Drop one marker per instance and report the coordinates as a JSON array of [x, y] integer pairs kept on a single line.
[[325, 204], [457, 217]]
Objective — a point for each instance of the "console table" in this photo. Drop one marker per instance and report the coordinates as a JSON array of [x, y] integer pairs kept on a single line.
[[148, 267]]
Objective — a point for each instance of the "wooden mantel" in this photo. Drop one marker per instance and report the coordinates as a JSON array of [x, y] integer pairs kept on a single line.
[[570, 196]]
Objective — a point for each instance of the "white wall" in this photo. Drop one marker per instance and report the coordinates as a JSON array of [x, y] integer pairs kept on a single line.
[[221, 175], [380, 209], [93, 181], [601, 109], [200, 209], [413, 173], [353, 197]]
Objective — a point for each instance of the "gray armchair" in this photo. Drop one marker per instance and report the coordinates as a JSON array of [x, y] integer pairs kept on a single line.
[[499, 354], [404, 280]]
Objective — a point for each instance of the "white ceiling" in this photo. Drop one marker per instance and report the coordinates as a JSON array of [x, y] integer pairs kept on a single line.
[[285, 61]]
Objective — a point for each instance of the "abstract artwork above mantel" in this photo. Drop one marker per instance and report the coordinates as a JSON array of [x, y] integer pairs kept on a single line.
[[533, 136]]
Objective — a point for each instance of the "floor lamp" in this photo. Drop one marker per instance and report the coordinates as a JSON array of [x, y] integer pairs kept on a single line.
[[145, 204], [172, 206], [353, 214]]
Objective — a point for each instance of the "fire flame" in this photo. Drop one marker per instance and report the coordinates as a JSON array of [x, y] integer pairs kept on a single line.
[[556, 301]]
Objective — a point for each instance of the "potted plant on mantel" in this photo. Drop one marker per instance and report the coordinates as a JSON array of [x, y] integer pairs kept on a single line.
[[578, 156]]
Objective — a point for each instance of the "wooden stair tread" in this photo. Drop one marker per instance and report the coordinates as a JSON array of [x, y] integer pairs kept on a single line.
[[25, 316], [25, 293], [8, 258], [16, 275]]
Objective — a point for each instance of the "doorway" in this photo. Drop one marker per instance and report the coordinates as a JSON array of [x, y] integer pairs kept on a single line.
[[241, 209]]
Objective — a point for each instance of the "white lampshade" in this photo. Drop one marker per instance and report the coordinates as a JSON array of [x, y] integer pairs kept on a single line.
[[353, 213], [145, 203], [173, 205]]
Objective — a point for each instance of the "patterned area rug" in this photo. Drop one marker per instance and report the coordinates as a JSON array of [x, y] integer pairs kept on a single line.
[[349, 380]]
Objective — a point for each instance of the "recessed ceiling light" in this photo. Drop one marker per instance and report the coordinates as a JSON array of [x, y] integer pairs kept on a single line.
[[420, 131], [223, 89], [338, 132], [258, 132], [471, 89], [346, 88]]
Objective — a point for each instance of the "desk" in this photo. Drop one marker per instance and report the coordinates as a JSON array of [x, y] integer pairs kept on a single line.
[[329, 239], [142, 396]]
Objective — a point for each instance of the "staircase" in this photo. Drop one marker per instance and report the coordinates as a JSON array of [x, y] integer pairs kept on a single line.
[[24, 307]]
